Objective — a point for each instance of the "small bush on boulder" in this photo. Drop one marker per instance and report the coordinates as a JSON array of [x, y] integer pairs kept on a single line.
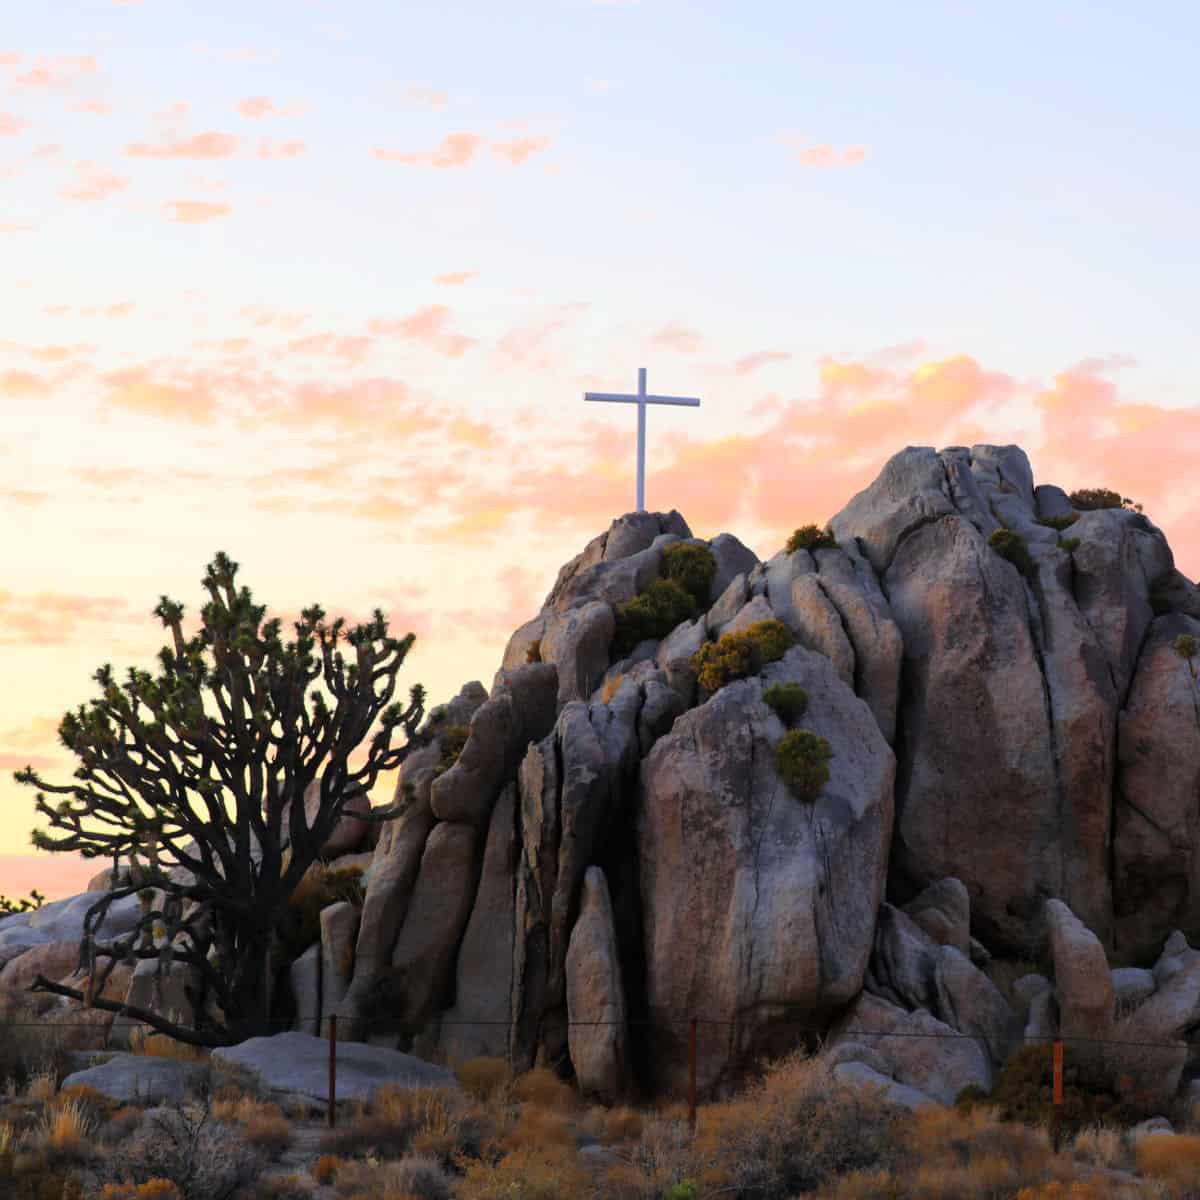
[[810, 537], [789, 700], [1059, 523], [453, 738], [802, 759], [1012, 546], [736, 655], [1090, 499], [692, 566], [652, 614], [1068, 544]]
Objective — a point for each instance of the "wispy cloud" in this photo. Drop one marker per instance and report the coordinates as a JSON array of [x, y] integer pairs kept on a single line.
[[455, 278], [520, 149], [93, 184], [198, 146], [455, 150], [257, 108], [271, 149], [56, 72], [195, 212], [427, 325], [99, 108], [822, 154], [424, 97], [674, 336], [760, 358], [10, 125], [331, 345]]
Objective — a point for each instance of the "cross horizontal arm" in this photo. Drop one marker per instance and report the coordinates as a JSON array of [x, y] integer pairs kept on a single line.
[[687, 401]]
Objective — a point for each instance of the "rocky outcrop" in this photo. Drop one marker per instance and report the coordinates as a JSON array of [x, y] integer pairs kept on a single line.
[[596, 995], [1082, 983], [757, 905]]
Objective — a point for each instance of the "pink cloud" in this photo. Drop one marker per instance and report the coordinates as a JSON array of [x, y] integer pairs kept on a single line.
[[760, 358], [824, 155], [349, 349], [9, 58], [258, 107], [200, 146], [23, 385], [674, 336], [520, 149], [97, 107], [15, 227], [455, 150], [92, 184], [426, 325], [57, 72], [266, 318], [10, 125], [454, 278], [528, 345], [47, 151], [427, 98], [136, 390], [268, 149], [195, 212]]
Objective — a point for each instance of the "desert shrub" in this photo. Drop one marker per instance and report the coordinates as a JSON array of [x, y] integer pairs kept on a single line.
[[160, 1045], [432, 1121], [542, 1087], [1184, 645], [802, 758], [810, 537], [534, 652], [652, 614], [1174, 1157], [270, 1134], [119, 1126], [31, 1044], [622, 1124], [1089, 499], [64, 1134], [1012, 546], [1024, 1092], [530, 1173], [1100, 1146], [1068, 544], [284, 1187], [736, 655], [319, 887], [1059, 523], [192, 1150], [692, 566], [681, 1191], [152, 1189], [484, 1078], [453, 739], [326, 1168], [789, 700], [35, 899], [538, 1126]]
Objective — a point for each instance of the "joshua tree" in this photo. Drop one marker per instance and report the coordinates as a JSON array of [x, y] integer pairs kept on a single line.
[[215, 857]]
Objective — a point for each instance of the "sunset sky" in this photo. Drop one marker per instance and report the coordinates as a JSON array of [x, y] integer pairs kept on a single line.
[[322, 284]]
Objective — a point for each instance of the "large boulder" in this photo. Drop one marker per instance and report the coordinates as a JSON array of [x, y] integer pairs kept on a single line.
[[139, 1079], [758, 906], [297, 1064], [943, 911], [350, 831], [991, 663], [1083, 983], [1156, 844], [596, 995], [477, 1025]]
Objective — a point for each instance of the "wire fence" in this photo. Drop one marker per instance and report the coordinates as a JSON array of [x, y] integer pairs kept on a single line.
[[692, 1023]]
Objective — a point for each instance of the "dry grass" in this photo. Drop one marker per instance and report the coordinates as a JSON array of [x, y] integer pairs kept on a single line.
[[159, 1045], [1172, 1157], [1101, 1146], [542, 1087], [41, 1086], [527, 1174], [271, 1135], [415, 1176], [326, 1168], [64, 1134], [485, 1078], [152, 1189]]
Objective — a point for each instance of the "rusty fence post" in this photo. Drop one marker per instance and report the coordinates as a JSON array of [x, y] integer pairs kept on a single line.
[[332, 1067], [1056, 1127], [692, 1074]]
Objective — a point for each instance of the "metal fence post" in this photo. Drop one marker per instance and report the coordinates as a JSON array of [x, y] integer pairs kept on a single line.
[[692, 1074], [1056, 1127], [332, 1067]]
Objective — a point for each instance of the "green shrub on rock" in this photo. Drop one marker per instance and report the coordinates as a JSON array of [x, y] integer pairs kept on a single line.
[[1090, 499], [789, 700], [810, 537], [692, 566], [736, 655], [652, 614], [1059, 523], [1012, 546], [802, 759], [1068, 544], [454, 738]]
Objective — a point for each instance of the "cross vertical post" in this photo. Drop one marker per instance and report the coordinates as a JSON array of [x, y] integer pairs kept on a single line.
[[641, 399]]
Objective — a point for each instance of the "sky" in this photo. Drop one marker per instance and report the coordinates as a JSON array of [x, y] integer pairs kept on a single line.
[[321, 285]]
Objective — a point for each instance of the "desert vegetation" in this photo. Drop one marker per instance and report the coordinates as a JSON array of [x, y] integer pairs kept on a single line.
[[793, 1131], [679, 594], [810, 537], [736, 655]]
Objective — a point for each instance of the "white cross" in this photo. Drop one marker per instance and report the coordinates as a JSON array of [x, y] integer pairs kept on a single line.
[[641, 400]]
